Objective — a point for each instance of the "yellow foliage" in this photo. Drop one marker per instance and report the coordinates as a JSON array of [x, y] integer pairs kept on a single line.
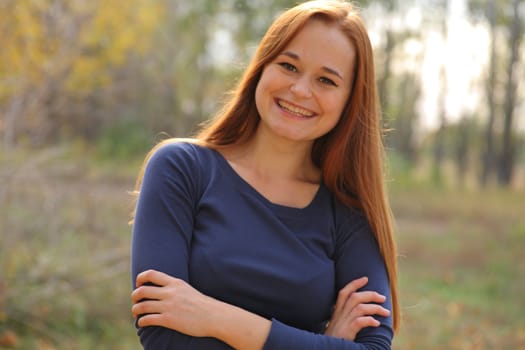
[[117, 29], [77, 40], [22, 39]]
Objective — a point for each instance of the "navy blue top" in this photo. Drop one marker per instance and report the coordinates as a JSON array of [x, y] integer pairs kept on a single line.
[[198, 220]]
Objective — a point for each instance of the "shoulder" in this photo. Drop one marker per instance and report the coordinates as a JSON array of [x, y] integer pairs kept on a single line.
[[349, 217], [178, 148], [176, 165], [350, 224], [180, 159], [189, 154]]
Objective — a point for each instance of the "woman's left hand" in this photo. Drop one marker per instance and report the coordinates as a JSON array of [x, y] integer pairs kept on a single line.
[[163, 300], [354, 310]]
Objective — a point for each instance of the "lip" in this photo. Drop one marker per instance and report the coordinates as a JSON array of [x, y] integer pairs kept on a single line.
[[294, 110]]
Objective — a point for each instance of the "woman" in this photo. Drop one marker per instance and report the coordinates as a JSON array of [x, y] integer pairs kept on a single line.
[[272, 229]]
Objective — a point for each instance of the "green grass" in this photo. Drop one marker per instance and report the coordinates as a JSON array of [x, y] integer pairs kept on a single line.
[[64, 258], [461, 269], [64, 253]]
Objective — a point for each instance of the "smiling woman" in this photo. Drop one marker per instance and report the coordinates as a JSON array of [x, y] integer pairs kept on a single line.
[[271, 229], [305, 82]]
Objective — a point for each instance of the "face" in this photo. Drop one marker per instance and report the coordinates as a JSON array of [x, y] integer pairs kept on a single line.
[[302, 92]]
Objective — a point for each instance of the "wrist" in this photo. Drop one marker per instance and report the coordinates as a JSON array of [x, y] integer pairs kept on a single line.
[[237, 327], [215, 310]]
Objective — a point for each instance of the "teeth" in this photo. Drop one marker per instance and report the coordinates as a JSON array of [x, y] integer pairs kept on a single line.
[[295, 110]]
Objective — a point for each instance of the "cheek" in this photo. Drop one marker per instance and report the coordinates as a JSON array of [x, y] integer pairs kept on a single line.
[[336, 108], [336, 104], [259, 96], [262, 91]]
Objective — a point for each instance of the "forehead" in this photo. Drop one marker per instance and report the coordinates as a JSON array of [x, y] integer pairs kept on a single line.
[[323, 43]]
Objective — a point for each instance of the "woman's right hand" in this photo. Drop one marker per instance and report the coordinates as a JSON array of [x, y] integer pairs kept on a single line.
[[163, 300], [173, 303], [354, 310]]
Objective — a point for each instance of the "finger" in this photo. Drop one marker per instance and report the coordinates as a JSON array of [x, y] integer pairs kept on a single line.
[[347, 290], [146, 293], [364, 297], [146, 307], [365, 321], [151, 320], [369, 310], [152, 276], [355, 285]]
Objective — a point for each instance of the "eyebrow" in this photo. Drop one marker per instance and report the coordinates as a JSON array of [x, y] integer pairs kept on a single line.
[[326, 69]]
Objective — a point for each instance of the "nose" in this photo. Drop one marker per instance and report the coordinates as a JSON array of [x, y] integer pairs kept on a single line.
[[301, 88]]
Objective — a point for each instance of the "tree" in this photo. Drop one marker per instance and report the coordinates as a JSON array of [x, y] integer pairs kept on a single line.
[[508, 152], [488, 154], [57, 55], [502, 15], [398, 89]]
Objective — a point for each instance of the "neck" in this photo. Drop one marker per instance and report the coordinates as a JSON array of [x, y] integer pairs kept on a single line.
[[273, 158]]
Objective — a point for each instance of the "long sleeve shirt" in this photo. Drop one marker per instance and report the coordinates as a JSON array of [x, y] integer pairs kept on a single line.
[[198, 220]]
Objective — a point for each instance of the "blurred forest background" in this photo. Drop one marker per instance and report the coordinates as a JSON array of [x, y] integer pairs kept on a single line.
[[87, 87]]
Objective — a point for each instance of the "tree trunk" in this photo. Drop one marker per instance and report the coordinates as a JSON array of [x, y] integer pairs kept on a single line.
[[462, 150], [488, 155], [439, 141], [507, 157], [12, 113]]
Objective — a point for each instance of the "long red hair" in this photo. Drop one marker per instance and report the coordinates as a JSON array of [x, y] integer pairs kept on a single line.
[[351, 155]]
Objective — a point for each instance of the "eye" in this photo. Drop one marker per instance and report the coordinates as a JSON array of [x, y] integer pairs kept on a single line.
[[327, 81], [288, 66]]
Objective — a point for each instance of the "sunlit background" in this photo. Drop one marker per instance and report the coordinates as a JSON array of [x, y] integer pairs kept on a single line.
[[87, 87]]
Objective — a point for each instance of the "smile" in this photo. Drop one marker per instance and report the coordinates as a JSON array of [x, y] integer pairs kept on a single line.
[[296, 110]]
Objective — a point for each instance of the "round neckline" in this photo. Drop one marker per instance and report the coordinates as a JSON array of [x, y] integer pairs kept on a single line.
[[239, 180]]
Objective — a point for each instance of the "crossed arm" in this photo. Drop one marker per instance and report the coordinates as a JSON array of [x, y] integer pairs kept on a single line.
[[169, 189], [172, 303]]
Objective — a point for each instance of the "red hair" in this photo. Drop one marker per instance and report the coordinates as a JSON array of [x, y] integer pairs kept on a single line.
[[351, 155]]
